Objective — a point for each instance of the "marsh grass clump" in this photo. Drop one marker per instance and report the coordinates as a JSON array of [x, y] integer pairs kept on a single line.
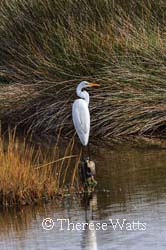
[[47, 46], [27, 175]]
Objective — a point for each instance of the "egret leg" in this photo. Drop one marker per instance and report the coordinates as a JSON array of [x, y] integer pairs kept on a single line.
[[82, 148], [82, 153], [89, 152]]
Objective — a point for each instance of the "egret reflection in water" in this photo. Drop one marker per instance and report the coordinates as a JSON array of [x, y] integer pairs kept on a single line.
[[89, 239]]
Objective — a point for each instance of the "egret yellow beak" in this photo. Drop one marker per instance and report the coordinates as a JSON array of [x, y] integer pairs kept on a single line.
[[93, 84]]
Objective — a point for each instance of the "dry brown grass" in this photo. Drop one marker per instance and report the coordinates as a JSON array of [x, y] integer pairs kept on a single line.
[[27, 175]]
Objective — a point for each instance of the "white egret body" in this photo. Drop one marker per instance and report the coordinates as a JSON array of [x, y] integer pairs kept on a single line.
[[80, 112]]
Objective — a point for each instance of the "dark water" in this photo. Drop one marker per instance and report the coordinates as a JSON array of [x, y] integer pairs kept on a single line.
[[131, 189]]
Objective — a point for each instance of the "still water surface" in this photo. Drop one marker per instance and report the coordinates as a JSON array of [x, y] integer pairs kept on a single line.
[[131, 187]]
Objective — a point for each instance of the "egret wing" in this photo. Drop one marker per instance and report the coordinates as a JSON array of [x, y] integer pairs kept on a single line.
[[81, 119]]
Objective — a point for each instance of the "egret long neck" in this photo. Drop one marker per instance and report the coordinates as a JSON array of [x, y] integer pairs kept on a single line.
[[83, 94]]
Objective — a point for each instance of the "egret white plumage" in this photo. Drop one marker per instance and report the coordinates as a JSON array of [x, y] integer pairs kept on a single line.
[[80, 112]]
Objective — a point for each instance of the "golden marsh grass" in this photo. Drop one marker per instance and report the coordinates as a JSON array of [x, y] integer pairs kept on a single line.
[[27, 175]]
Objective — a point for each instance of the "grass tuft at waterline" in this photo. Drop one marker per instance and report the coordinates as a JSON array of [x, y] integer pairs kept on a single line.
[[27, 175]]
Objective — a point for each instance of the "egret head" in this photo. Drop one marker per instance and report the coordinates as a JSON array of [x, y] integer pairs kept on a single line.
[[85, 84]]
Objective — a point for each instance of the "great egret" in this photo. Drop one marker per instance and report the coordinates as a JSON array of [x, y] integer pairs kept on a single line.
[[80, 112]]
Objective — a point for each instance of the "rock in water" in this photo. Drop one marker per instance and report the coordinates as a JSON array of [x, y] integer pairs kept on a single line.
[[87, 173]]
